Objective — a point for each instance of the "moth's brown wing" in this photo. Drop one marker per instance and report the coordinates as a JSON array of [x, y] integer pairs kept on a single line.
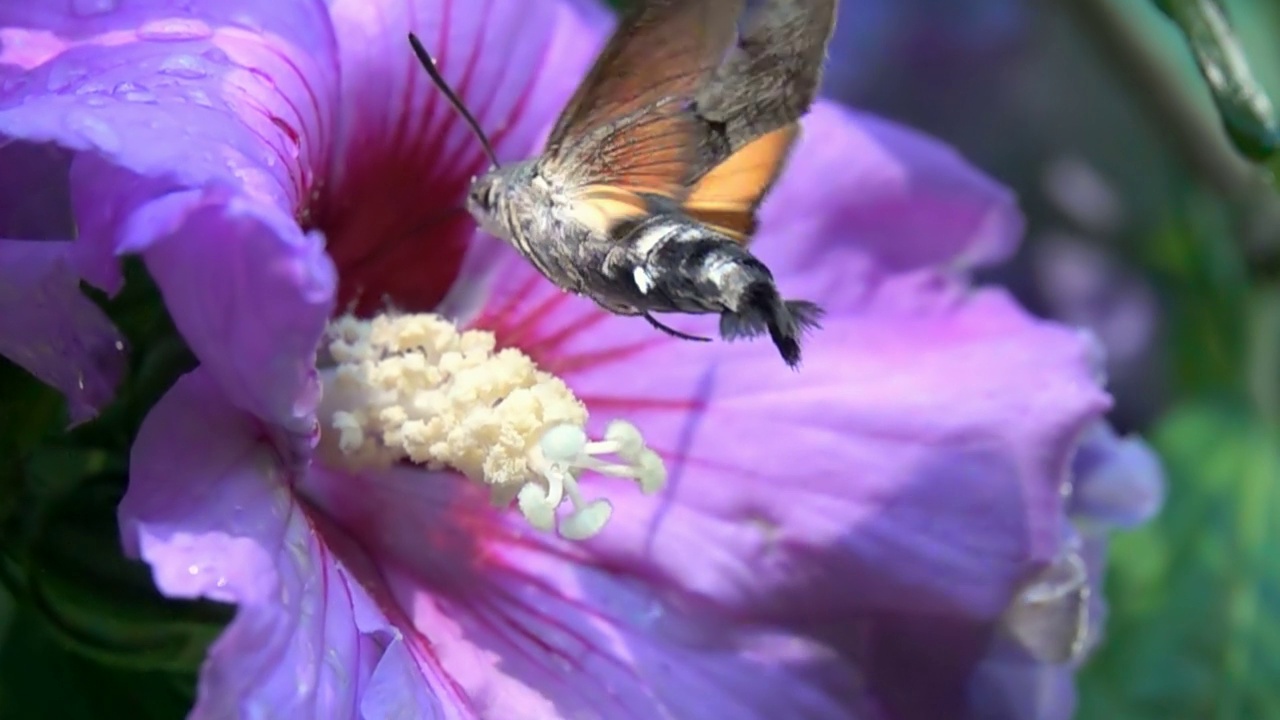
[[771, 77], [749, 111], [629, 124], [726, 197]]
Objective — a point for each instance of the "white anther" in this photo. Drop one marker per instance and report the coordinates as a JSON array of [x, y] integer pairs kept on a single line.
[[651, 472], [563, 453], [533, 504], [563, 444], [586, 521], [418, 388], [628, 441]]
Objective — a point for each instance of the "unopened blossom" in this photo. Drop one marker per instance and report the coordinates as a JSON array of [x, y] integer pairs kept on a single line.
[[344, 467]]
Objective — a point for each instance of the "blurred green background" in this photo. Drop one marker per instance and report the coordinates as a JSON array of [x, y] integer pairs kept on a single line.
[[1154, 220]]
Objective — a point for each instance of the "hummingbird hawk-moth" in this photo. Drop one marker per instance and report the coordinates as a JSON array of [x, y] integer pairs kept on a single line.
[[645, 197]]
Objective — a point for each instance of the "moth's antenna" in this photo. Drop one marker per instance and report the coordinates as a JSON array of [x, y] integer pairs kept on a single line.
[[430, 66]]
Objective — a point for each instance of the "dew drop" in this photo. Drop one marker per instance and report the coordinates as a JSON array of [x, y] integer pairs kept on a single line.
[[193, 569], [63, 76], [271, 161], [248, 22], [199, 97], [173, 29], [89, 8], [184, 66], [91, 88], [13, 84], [95, 130], [216, 56], [133, 92]]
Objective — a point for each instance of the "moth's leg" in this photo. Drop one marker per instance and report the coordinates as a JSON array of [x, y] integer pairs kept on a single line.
[[672, 331]]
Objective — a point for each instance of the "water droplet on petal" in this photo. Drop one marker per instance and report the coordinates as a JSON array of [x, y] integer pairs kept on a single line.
[[95, 130], [13, 84], [183, 66], [91, 88], [174, 29], [63, 76], [199, 97], [216, 56], [271, 161], [133, 92], [89, 8], [193, 569], [248, 22]]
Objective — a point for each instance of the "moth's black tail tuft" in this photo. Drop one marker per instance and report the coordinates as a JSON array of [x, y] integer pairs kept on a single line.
[[763, 310]]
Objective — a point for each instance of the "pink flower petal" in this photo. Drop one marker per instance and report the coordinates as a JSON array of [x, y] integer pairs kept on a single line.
[[926, 402], [894, 491], [524, 625]]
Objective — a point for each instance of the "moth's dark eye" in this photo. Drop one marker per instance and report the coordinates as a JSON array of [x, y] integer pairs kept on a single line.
[[484, 194]]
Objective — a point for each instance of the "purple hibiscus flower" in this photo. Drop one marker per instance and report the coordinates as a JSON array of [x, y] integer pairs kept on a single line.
[[852, 541]]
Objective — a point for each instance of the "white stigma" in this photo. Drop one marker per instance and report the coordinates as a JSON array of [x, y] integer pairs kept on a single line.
[[414, 387]]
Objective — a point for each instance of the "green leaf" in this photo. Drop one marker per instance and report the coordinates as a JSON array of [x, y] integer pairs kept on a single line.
[[1205, 282], [41, 680], [1243, 105], [104, 606], [1193, 632]]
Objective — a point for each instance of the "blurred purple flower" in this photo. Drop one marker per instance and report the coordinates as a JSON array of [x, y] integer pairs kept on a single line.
[[845, 542], [882, 43]]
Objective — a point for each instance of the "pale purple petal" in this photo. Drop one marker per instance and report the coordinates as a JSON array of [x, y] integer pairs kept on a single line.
[[1056, 622], [525, 625], [307, 640], [50, 328], [249, 292], [1119, 481], [196, 130], [862, 195], [392, 203], [156, 96]]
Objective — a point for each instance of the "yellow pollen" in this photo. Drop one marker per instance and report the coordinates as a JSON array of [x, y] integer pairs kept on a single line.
[[416, 388]]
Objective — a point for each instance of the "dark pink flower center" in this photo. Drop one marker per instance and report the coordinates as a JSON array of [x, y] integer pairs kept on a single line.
[[396, 228]]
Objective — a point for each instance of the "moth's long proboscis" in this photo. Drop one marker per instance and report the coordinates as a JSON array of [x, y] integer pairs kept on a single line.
[[429, 65]]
